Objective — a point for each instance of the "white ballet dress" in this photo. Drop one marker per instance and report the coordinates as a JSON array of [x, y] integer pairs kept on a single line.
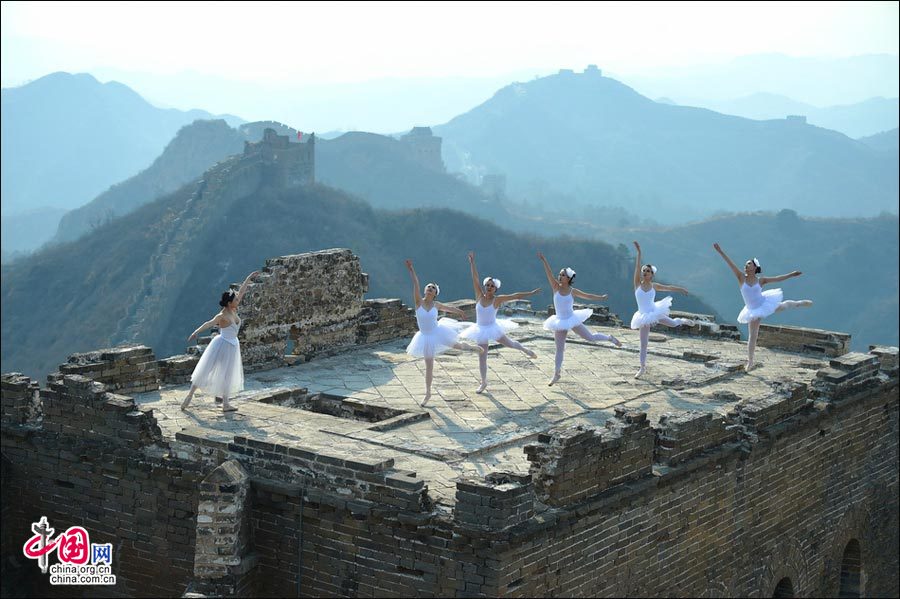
[[566, 318], [433, 338], [220, 372], [758, 303], [487, 326], [649, 312]]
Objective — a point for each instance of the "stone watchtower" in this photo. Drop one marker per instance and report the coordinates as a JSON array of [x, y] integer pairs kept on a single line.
[[286, 164], [425, 147]]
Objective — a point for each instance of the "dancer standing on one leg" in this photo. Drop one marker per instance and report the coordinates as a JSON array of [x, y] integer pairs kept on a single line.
[[487, 326], [651, 312], [566, 318], [432, 338], [220, 372], [758, 303]]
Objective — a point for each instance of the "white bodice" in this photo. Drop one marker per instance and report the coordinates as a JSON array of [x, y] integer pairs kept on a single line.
[[563, 304], [752, 294], [485, 315], [645, 300], [426, 319]]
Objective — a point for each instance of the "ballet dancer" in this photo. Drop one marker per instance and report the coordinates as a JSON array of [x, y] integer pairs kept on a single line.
[[433, 338], [487, 326], [651, 312], [759, 304], [220, 372], [566, 318]]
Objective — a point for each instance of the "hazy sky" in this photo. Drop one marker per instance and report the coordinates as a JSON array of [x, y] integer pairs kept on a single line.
[[315, 43]]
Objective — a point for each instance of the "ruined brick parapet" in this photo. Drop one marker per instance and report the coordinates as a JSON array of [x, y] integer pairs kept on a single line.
[[850, 374], [497, 501], [19, 399], [177, 370], [126, 369], [705, 325], [685, 435], [77, 407], [385, 319], [572, 464], [805, 340]]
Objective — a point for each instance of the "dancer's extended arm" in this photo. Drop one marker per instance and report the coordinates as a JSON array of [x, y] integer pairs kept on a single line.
[[219, 320], [500, 299], [415, 282], [734, 269], [554, 284], [244, 286], [675, 288], [589, 296], [451, 309], [779, 278]]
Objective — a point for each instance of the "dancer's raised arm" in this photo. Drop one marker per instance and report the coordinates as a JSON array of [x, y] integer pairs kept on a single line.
[[219, 320], [244, 286], [415, 281], [450, 309], [554, 284], [734, 269], [637, 266], [475, 284], [589, 296], [779, 278]]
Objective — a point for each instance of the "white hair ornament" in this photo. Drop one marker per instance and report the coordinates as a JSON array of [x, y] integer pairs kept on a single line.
[[496, 282]]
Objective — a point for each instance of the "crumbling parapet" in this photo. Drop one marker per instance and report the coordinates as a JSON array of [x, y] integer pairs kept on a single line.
[[19, 399], [498, 501], [847, 375], [685, 435], [571, 464], [126, 368], [805, 340]]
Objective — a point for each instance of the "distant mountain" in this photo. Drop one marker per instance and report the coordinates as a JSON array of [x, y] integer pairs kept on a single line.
[[153, 275], [885, 141], [601, 141], [854, 120], [849, 266], [25, 231], [66, 138], [816, 81]]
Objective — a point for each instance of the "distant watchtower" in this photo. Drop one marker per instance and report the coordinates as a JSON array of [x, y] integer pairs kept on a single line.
[[425, 147], [286, 164]]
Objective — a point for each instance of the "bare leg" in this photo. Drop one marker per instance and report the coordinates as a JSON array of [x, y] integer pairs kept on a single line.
[[504, 340], [560, 337], [429, 375], [751, 344], [787, 304], [190, 396], [227, 407], [470, 347], [583, 332], [482, 368], [645, 338]]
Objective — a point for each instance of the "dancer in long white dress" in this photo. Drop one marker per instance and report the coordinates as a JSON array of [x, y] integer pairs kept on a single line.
[[433, 338], [759, 304], [487, 326], [220, 372], [566, 319], [650, 311]]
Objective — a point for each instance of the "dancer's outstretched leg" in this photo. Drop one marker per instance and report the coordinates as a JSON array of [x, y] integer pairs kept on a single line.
[[429, 375], [645, 338], [676, 322], [583, 332], [470, 347], [190, 396], [482, 368], [751, 343], [787, 304], [504, 340], [560, 337]]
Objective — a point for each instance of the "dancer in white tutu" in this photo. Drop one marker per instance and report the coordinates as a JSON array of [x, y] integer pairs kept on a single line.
[[433, 337], [220, 372], [566, 319], [487, 326], [758, 303], [650, 311]]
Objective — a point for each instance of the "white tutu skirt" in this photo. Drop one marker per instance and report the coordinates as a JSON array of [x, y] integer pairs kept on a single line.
[[771, 299], [555, 323], [660, 311], [442, 338], [219, 371], [482, 334]]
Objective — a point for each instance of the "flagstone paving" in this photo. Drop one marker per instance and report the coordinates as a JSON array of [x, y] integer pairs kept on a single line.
[[470, 433]]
